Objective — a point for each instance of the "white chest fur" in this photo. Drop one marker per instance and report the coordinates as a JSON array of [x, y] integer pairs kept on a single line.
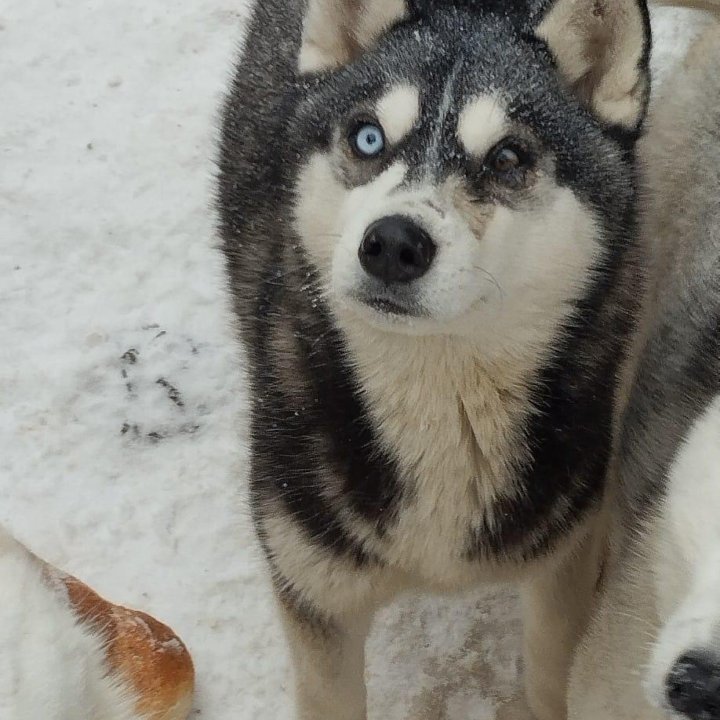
[[454, 423]]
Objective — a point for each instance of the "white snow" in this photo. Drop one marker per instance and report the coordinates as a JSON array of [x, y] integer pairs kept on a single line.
[[107, 113]]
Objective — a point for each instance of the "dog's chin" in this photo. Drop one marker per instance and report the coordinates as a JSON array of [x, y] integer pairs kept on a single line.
[[385, 311]]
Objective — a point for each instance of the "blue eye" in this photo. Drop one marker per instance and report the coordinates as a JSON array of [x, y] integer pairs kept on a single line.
[[368, 141]]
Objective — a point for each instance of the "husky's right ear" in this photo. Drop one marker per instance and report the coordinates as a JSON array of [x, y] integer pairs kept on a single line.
[[335, 32], [602, 50]]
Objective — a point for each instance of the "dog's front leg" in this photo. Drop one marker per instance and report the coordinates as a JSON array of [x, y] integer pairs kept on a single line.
[[556, 608], [328, 658]]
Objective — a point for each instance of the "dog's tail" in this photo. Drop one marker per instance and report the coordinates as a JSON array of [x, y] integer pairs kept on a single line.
[[709, 6]]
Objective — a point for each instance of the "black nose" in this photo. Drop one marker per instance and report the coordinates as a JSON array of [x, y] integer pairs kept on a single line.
[[693, 686], [396, 250]]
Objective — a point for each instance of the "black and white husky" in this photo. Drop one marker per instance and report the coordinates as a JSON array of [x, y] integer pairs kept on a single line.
[[428, 209], [654, 648]]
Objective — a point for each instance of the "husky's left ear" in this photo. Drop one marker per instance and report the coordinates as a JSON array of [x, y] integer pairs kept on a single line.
[[602, 49], [335, 32]]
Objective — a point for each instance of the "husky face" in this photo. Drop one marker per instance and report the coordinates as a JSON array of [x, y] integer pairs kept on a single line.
[[452, 184]]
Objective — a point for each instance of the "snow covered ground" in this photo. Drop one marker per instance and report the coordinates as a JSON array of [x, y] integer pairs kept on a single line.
[[122, 402]]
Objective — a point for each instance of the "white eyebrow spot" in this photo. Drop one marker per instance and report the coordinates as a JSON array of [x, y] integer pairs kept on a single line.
[[483, 123], [398, 112]]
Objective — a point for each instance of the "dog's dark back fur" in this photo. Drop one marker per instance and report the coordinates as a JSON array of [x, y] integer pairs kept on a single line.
[[678, 368]]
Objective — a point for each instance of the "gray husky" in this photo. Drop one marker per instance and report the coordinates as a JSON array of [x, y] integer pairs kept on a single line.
[[653, 650], [428, 213]]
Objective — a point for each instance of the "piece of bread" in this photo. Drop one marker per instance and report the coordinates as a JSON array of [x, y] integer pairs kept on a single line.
[[142, 653]]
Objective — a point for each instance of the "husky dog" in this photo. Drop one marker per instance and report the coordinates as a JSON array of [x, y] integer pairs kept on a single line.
[[653, 651], [427, 209]]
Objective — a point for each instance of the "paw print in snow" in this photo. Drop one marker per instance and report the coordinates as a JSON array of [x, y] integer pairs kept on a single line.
[[153, 369]]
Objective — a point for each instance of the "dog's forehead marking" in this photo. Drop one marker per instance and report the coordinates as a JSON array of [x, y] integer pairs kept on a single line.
[[399, 111], [435, 151], [483, 122]]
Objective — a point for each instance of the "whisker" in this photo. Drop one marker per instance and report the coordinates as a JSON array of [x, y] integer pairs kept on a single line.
[[492, 279]]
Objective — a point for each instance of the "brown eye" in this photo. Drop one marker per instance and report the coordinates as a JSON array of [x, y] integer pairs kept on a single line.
[[506, 160]]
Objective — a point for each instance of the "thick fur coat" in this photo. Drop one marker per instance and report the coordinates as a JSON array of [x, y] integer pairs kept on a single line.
[[428, 213]]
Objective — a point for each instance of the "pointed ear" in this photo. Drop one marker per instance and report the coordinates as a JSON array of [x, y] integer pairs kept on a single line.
[[602, 50], [335, 32]]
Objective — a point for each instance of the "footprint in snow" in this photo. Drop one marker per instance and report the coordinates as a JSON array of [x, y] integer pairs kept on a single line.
[[153, 370]]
